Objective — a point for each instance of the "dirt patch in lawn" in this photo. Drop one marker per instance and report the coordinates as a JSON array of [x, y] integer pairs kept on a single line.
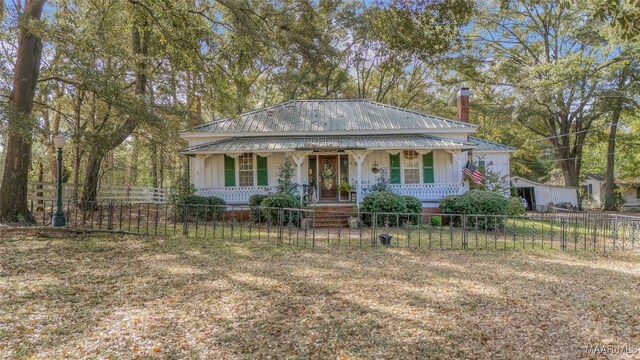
[[124, 296]]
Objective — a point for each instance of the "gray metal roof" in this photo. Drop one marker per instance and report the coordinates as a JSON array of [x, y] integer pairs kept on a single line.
[[329, 115], [328, 143], [486, 145]]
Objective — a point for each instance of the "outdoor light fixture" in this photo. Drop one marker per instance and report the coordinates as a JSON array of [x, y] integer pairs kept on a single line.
[[59, 140], [58, 219]]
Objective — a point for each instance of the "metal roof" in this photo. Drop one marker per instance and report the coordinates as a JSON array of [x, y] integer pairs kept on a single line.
[[486, 145], [329, 115], [328, 143]]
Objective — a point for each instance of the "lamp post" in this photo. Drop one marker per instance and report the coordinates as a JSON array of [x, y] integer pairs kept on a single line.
[[58, 219]]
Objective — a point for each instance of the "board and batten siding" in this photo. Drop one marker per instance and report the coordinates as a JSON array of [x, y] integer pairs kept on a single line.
[[446, 169]]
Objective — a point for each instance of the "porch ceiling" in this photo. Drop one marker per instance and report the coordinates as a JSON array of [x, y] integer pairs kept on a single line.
[[328, 143]]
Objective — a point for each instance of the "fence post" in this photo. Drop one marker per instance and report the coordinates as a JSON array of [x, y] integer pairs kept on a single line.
[[185, 221], [374, 229], [464, 231], [563, 237], [280, 224], [110, 217]]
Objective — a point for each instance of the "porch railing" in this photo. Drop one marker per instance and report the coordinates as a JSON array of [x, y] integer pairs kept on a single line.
[[428, 191], [236, 194]]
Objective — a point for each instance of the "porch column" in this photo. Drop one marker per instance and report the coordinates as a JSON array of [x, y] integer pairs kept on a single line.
[[199, 181], [358, 157], [298, 157]]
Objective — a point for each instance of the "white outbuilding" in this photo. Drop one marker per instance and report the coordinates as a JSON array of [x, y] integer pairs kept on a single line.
[[539, 196]]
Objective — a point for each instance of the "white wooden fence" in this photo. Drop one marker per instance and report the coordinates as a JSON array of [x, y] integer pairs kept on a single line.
[[46, 191]]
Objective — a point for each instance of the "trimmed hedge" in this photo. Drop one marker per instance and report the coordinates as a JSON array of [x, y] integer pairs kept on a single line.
[[202, 207], [272, 204], [477, 202], [389, 202]]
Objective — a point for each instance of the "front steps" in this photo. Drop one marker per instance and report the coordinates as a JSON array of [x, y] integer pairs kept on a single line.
[[332, 216]]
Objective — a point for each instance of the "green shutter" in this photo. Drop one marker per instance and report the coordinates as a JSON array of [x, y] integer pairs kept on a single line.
[[263, 175], [427, 168], [394, 165], [481, 166], [229, 171]]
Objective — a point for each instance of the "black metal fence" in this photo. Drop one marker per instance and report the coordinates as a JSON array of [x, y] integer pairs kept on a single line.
[[308, 227]]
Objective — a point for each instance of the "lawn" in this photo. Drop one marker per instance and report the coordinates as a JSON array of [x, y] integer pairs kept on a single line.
[[120, 296]]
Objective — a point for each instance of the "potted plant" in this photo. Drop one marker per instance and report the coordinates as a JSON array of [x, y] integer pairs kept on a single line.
[[345, 189]]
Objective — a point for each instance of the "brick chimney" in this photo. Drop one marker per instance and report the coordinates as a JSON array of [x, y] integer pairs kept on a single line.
[[463, 104]]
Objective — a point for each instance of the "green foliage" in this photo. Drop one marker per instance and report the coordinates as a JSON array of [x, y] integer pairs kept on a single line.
[[202, 208], [344, 187], [255, 203], [285, 174], [413, 204], [382, 181], [477, 202], [391, 204], [515, 207], [272, 204], [436, 221], [181, 189]]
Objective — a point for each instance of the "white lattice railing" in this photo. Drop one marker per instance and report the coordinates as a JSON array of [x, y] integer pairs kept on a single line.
[[427, 191], [236, 194]]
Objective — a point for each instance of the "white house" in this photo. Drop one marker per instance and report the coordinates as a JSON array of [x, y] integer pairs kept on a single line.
[[539, 196], [594, 186], [334, 142]]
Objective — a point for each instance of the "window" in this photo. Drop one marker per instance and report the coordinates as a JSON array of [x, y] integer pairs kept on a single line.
[[588, 189], [245, 169], [638, 192], [411, 167]]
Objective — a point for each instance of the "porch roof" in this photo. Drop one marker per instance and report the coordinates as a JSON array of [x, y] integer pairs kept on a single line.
[[328, 143], [489, 146]]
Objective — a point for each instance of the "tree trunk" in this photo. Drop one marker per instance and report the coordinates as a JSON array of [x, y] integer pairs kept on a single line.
[[570, 171], [133, 166], [13, 192], [119, 135], [91, 180], [154, 165], [609, 195]]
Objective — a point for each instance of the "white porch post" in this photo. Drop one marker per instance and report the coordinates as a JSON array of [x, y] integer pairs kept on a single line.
[[298, 157], [199, 174], [358, 157]]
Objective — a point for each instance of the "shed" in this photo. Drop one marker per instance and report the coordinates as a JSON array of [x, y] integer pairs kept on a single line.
[[540, 195]]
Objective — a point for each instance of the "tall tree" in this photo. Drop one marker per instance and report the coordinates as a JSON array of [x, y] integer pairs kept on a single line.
[[552, 58], [13, 191]]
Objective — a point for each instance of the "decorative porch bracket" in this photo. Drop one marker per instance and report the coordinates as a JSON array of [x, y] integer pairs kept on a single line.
[[298, 158], [358, 157]]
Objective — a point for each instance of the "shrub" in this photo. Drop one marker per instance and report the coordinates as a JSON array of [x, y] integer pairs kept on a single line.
[[272, 204], [450, 205], [285, 177], [436, 221], [477, 202], [515, 207], [414, 206], [203, 207], [180, 190], [390, 203], [255, 203]]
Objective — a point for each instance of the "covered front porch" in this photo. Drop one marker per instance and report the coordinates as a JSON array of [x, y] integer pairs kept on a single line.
[[331, 172]]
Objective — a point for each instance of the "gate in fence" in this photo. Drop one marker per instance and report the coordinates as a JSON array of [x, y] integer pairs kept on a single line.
[[302, 227]]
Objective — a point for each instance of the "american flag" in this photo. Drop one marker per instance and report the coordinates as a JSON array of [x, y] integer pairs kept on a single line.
[[472, 172]]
